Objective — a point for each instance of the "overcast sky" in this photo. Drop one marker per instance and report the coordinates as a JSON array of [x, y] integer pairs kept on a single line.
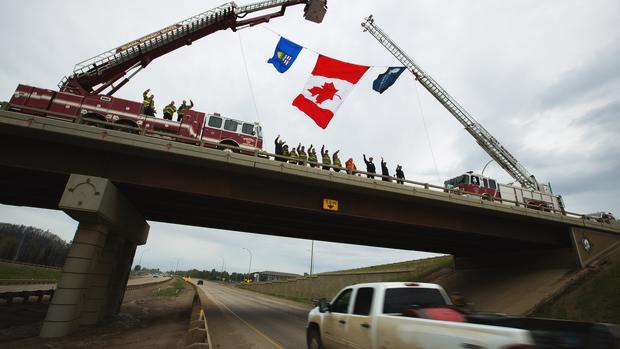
[[542, 76]]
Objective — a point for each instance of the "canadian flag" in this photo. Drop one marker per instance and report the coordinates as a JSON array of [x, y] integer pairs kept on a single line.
[[329, 84]]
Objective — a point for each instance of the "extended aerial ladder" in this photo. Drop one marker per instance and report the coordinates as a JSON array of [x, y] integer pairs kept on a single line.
[[480, 134], [95, 75]]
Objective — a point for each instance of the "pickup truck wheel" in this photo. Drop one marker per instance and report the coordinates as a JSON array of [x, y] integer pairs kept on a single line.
[[314, 339]]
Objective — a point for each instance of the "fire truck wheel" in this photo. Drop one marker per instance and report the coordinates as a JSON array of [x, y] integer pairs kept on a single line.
[[93, 120], [228, 145], [128, 126]]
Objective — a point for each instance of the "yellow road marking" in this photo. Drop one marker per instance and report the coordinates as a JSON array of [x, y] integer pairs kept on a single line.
[[269, 339]]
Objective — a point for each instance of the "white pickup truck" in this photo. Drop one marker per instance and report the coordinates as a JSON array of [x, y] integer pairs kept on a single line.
[[397, 315]]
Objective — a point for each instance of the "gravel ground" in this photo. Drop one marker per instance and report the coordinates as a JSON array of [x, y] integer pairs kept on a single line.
[[145, 321]]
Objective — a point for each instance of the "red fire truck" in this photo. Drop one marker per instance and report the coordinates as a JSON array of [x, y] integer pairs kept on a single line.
[[471, 182], [107, 111], [488, 188], [82, 96]]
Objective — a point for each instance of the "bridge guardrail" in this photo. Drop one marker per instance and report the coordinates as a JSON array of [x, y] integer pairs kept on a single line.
[[261, 153], [137, 286], [27, 281], [198, 334], [25, 296]]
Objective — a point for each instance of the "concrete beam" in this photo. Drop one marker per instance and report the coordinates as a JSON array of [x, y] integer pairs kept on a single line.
[[94, 277], [96, 200]]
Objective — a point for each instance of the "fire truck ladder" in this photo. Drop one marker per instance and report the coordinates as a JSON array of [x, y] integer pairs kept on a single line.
[[480, 134], [89, 71], [107, 68]]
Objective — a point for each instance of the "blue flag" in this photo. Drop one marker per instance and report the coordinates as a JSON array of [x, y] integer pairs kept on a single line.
[[285, 54], [387, 79]]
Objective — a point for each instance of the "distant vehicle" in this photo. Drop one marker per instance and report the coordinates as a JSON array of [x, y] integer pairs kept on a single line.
[[200, 282], [388, 315], [603, 217], [155, 276]]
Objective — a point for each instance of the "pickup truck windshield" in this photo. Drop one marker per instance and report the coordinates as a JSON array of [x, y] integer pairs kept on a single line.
[[399, 299]]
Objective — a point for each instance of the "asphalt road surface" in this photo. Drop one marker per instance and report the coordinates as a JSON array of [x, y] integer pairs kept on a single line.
[[243, 319]]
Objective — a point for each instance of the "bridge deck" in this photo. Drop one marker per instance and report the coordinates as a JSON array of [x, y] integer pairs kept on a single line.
[[188, 184]]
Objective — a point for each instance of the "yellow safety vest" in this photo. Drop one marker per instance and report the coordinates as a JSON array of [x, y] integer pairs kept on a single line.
[[337, 162], [146, 102], [326, 160], [312, 157], [293, 155], [170, 109]]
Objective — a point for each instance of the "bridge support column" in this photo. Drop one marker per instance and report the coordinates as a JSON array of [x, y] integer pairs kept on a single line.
[[95, 273]]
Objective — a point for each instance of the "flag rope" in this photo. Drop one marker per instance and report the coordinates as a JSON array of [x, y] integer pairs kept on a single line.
[[247, 74], [428, 137]]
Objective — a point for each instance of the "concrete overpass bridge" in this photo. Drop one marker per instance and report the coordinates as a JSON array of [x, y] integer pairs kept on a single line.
[[45, 160]]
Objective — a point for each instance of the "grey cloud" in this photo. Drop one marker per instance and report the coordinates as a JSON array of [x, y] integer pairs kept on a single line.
[[586, 79]]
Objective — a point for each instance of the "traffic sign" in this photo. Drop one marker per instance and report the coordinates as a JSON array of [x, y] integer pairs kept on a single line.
[[330, 205]]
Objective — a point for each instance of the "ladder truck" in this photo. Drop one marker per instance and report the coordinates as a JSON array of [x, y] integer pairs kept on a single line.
[[86, 95], [531, 193]]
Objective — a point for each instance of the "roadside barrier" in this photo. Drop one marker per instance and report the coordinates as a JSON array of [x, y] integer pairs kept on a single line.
[[134, 287], [198, 334], [25, 296], [26, 281]]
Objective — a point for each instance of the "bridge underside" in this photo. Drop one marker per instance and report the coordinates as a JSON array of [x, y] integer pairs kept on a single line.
[[40, 189], [172, 192], [186, 184]]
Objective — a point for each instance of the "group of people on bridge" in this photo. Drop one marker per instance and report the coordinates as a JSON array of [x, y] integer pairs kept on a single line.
[[300, 156], [148, 104]]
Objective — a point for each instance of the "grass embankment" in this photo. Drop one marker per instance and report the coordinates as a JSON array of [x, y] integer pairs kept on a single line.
[[173, 290], [594, 298], [22, 271], [418, 269]]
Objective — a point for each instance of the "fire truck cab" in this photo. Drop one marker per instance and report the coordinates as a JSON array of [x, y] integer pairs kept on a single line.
[[235, 133], [474, 183]]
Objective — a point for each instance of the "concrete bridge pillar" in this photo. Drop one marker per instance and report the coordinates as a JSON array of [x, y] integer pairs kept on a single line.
[[94, 276]]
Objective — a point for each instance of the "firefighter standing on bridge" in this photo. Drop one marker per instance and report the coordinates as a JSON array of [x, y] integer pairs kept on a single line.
[[336, 161], [285, 152], [351, 168], [148, 103], [385, 172], [370, 167], [294, 158], [183, 108], [169, 110], [325, 158], [301, 152], [280, 144], [312, 156], [400, 174]]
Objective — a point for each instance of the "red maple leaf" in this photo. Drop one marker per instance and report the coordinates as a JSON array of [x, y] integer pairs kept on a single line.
[[325, 92]]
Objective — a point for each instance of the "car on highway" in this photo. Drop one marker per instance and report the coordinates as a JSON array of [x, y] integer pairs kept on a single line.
[[200, 282], [421, 315]]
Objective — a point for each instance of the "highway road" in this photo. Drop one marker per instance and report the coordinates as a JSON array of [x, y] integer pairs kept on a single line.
[[36, 287], [244, 319]]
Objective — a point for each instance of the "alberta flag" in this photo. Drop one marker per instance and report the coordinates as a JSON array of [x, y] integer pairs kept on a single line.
[[285, 54], [387, 79], [329, 84]]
